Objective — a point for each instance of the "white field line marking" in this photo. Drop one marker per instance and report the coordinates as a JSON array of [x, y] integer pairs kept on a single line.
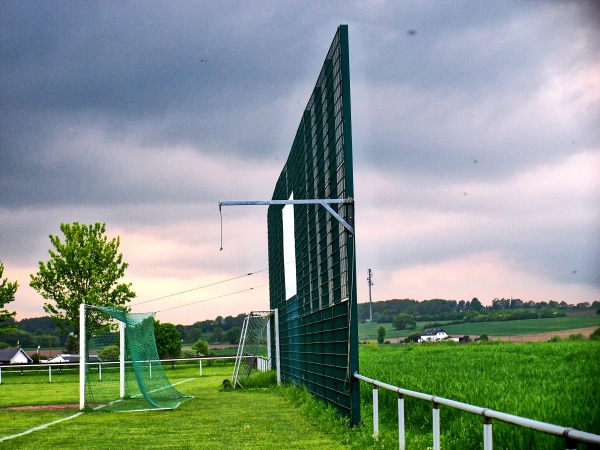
[[46, 425], [41, 427]]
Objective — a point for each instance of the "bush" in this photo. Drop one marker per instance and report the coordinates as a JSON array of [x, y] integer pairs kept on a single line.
[[555, 339], [576, 337], [595, 336], [110, 353]]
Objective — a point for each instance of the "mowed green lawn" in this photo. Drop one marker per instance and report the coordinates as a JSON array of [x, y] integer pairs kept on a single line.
[[368, 331], [213, 419]]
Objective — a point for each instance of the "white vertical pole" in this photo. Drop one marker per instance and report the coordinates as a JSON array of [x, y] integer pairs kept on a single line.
[[200, 367], [487, 434], [375, 411], [121, 359], [277, 354], [82, 357], [50, 376], [150, 365], [436, 426], [401, 431], [269, 355], [100, 372], [0, 375]]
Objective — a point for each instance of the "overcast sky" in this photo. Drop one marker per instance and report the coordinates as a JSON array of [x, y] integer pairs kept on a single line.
[[476, 137]]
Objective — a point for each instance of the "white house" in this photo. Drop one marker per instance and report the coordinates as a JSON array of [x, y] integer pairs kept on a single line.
[[14, 356], [433, 335], [70, 358]]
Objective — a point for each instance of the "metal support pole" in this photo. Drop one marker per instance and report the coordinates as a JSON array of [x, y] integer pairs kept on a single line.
[[375, 410], [401, 430], [82, 356], [200, 367], [277, 353], [487, 433], [122, 327], [436, 426]]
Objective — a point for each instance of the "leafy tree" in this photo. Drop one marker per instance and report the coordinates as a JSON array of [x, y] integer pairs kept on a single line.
[[475, 305], [217, 335], [404, 322], [233, 335], [85, 268], [7, 295], [595, 336], [413, 337], [72, 346], [200, 347], [168, 342], [381, 335]]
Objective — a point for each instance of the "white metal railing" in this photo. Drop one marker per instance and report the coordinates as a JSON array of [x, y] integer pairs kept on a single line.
[[54, 367], [570, 435]]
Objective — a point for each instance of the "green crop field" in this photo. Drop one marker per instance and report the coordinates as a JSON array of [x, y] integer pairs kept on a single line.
[[368, 331], [552, 382]]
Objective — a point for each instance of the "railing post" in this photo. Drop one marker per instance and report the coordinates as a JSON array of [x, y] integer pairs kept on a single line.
[[401, 439], [200, 367], [375, 410], [487, 433], [436, 426], [50, 374], [570, 444]]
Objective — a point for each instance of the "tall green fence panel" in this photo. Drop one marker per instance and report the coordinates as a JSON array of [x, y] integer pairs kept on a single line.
[[318, 320]]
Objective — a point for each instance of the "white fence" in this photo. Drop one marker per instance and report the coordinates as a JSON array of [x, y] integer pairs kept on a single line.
[[570, 435], [55, 368]]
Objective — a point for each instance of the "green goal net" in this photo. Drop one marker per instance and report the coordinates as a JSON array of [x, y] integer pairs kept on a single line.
[[120, 367]]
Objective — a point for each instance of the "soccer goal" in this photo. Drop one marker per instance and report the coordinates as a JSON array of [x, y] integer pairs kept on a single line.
[[119, 367], [256, 333]]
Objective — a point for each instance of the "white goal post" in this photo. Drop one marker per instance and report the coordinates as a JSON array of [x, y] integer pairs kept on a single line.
[[256, 328]]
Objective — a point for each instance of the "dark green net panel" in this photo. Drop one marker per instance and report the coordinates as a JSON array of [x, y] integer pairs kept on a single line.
[[318, 326], [146, 383]]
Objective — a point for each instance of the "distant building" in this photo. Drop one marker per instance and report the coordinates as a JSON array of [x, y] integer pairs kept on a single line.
[[69, 358], [14, 356], [433, 335]]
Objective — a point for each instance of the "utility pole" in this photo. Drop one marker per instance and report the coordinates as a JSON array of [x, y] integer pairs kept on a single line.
[[370, 280]]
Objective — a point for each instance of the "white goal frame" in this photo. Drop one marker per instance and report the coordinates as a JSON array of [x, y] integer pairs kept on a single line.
[[270, 314], [83, 357]]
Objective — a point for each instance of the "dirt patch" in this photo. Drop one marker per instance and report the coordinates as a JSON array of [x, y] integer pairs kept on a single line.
[[42, 407], [543, 337]]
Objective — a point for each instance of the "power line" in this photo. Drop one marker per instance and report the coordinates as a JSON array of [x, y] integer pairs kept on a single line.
[[200, 287], [212, 298]]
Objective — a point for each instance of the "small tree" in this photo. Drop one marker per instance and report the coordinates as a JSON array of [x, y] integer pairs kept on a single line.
[[7, 295], [381, 335], [233, 335], [168, 343], [595, 336], [404, 321], [85, 268], [72, 345], [217, 335], [475, 305], [200, 347]]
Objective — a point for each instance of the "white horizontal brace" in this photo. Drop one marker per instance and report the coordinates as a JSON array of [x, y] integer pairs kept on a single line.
[[317, 201], [325, 202]]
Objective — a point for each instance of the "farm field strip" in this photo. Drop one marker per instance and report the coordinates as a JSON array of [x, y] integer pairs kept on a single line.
[[368, 331]]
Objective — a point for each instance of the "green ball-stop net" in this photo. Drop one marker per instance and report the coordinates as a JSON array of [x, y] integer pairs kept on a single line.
[[141, 382]]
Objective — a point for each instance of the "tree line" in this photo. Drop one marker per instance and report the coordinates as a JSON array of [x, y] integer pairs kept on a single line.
[[404, 313]]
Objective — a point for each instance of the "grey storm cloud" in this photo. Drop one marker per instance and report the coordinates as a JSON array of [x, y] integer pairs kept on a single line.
[[465, 115]]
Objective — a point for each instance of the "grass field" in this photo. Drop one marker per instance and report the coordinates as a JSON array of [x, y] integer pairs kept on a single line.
[[551, 382], [368, 331]]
